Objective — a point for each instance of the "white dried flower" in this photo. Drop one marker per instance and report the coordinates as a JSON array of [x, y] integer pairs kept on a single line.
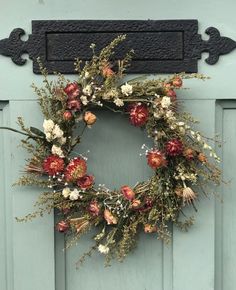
[[84, 100], [165, 102], [48, 126], [126, 89], [57, 151], [118, 102], [88, 90], [103, 249], [62, 140], [66, 192], [86, 75], [74, 195], [57, 132], [169, 114], [49, 136]]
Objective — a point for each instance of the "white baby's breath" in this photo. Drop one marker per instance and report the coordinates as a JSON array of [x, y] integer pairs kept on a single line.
[[126, 89]]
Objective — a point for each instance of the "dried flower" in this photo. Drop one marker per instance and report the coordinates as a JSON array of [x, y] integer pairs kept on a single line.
[[127, 192], [88, 90], [94, 208], [72, 90], [74, 194], [127, 89], [148, 229], [75, 169], [89, 118], [62, 226], [86, 181], [67, 116], [172, 94], [188, 194], [165, 102], [138, 114], [107, 71], [66, 192], [118, 102], [156, 159], [74, 105], [135, 203], [174, 147], [189, 153], [177, 82], [109, 217], [53, 165], [202, 157], [56, 150], [48, 125], [103, 249]]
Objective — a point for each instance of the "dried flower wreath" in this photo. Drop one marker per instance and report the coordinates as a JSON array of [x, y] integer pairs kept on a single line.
[[178, 157]]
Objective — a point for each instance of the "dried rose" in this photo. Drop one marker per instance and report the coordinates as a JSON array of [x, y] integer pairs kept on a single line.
[[86, 181], [74, 105], [172, 94], [67, 115], [89, 118], [107, 71], [109, 217], [138, 114], [127, 192], [94, 208], [177, 82], [72, 90]]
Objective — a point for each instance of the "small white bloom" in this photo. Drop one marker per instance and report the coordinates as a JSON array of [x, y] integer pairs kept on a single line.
[[169, 114], [48, 136], [87, 90], [66, 192], [180, 123], [48, 125], [118, 102], [86, 75], [84, 100], [57, 132], [57, 151], [126, 89], [165, 102], [62, 140], [103, 249], [74, 195]]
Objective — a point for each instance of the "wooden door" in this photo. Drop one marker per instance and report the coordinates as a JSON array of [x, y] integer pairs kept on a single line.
[[31, 256]]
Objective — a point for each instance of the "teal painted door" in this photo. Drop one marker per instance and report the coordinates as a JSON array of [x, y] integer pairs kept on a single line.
[[31, 256]]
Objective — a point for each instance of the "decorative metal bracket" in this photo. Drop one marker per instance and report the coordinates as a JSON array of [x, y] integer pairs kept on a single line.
[[161, 46]]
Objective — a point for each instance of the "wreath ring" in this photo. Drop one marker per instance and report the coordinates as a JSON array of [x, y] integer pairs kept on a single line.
[[178, 157]]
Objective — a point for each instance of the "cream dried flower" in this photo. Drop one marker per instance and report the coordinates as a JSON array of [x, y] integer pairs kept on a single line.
[[188, 194], [165, 102], [48, 126], [66, 192], [74, 195], [118, 102], [57, 132], [103, 249], [126, 89], [56, 150]]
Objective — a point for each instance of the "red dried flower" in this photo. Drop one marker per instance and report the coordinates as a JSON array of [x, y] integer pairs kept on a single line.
[[74, 105], [67, 115], [172, 95], [62, 227], [127, 192], [177, 82], [156, 159], [53, 165], [94, 208], [86, 181], [75, 169], [138, 114], [174, 147], [72, 90]]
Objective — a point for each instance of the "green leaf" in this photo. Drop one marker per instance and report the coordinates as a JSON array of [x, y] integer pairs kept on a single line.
[[37, 132]]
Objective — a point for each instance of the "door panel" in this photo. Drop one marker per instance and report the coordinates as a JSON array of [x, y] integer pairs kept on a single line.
[[225, 258]]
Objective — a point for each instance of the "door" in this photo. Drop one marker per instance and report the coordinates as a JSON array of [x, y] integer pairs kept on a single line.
[[31, 256]]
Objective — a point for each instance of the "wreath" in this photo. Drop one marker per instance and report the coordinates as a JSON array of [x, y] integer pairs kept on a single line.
[[179, 157]]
